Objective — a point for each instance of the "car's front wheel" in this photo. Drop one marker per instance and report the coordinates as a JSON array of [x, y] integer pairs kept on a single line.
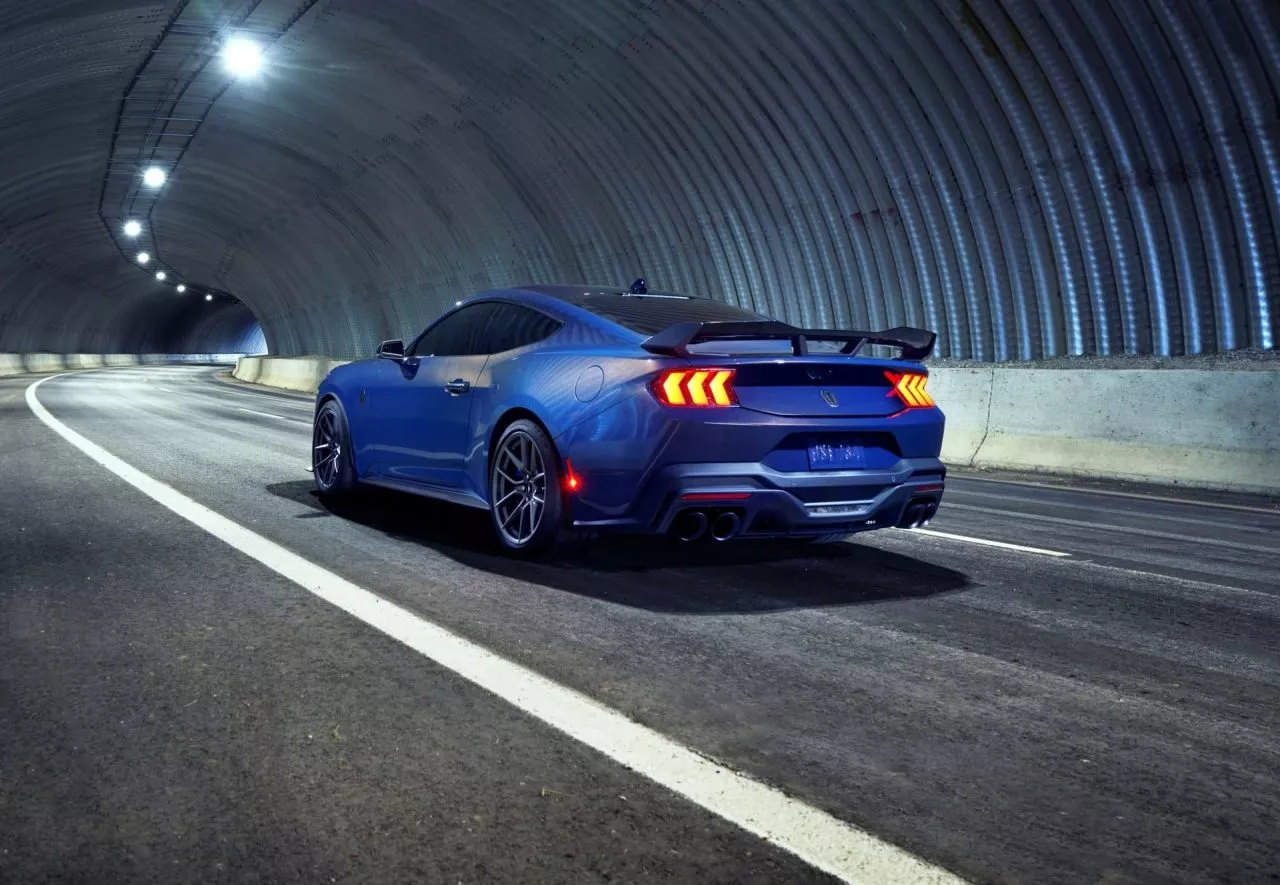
[[526, 495], [332, 466]]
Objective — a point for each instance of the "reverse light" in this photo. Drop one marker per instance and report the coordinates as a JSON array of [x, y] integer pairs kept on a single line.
[[909, 387], [704, 388]]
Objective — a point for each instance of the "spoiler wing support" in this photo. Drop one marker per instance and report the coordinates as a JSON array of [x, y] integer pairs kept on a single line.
[[916, 344]]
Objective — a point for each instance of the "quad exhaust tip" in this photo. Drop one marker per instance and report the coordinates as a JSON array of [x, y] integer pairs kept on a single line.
[[690, 525], [726, 525], [918, 514]]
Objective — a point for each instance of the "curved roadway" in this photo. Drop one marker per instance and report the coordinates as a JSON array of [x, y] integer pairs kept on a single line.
[[1059, 684]]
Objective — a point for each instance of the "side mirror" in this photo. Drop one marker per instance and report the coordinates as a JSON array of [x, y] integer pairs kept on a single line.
[[391, 350]]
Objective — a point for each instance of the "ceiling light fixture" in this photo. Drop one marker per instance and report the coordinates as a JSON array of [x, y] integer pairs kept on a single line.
[[242, 57], [160, 275], [181, 288], [144, 257], [208, 298], [154, 177], [132, 228]]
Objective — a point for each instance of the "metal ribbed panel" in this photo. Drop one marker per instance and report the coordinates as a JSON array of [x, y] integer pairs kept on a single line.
[[1029, 177]]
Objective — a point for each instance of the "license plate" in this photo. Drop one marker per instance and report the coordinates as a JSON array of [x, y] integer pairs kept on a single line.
[[837, 456]]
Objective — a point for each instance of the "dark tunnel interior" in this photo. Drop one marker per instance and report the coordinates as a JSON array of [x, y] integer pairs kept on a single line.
[[1031, 178]]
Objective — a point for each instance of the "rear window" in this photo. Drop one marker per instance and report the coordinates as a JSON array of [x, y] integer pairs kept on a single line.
[[650, 314]]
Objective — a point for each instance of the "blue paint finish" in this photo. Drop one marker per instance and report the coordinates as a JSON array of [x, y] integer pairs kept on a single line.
[[589, 384], [426, 424]]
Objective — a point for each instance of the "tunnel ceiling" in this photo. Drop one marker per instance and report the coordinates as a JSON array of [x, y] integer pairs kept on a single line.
[[1028, 177]]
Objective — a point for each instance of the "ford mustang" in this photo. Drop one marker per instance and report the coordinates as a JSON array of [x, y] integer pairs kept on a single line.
[[568, 412]]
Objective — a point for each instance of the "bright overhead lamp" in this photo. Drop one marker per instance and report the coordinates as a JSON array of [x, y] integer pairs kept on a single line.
[[160, 275], [181, 288], [242, 57], [132, 228], [208, 298], [144, 257], [154, 177]]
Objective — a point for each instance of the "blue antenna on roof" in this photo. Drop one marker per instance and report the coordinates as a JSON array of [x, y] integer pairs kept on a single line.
[[639, 287]]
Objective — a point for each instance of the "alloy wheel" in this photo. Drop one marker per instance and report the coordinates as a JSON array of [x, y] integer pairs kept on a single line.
[[519, 488], [327, 449]]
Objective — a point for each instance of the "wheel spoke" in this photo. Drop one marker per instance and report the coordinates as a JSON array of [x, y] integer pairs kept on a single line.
[[510, 479], [507, 497], [519, 509], [515, 462]]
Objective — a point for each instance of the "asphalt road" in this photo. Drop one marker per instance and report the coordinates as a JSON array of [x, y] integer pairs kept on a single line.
[[170, 710]]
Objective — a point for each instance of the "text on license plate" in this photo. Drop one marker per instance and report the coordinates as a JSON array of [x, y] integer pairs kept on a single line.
[[837, 456]]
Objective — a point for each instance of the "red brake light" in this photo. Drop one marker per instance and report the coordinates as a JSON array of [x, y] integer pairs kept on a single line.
[[703, 388], [909, 387]]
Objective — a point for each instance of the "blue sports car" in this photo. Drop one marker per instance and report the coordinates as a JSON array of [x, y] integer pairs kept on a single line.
[[567, 412]]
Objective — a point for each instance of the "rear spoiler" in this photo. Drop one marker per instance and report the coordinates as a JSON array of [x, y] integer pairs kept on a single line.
[[674, 340]]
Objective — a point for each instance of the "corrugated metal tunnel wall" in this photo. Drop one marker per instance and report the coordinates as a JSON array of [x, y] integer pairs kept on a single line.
[[1028, 177]]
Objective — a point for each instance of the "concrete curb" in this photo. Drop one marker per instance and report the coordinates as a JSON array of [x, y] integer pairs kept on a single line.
[[1206, 428]]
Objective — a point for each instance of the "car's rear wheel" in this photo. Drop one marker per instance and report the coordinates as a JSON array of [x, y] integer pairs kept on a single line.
[[527, 501], [332, 466]]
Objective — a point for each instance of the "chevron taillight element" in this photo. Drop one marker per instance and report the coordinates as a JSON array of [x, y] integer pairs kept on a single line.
[[909, 387]]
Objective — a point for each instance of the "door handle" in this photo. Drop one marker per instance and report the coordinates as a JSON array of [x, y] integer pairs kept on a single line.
[[458, 386]]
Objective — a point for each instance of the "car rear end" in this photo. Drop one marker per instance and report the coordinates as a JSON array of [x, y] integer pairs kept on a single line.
[[807, 446], [747, 437]]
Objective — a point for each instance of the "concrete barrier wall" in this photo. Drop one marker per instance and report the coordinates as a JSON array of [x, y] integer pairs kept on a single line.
[[1212, 428], [288, 373], [38, 363]]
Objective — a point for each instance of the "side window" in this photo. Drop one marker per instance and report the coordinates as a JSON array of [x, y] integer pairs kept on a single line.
[[513, 326], [459, 334]]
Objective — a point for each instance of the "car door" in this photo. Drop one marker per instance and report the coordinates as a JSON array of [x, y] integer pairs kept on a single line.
[[425, 406]]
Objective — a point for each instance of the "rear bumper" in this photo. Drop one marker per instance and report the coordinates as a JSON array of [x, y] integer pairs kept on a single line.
[[772, 504]]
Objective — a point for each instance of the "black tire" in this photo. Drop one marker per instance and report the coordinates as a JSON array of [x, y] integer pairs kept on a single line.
[[334, 472], [522, 525]]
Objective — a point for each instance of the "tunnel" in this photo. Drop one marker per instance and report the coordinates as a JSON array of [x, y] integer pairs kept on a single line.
[[682, 441], [1029, 179]]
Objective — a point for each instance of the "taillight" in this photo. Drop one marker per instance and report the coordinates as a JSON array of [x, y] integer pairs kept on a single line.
[[909, 387], [709, 388]]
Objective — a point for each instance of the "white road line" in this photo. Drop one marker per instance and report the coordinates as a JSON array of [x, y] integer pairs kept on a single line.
[[823, 841], [277, 417], [988, 543]]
